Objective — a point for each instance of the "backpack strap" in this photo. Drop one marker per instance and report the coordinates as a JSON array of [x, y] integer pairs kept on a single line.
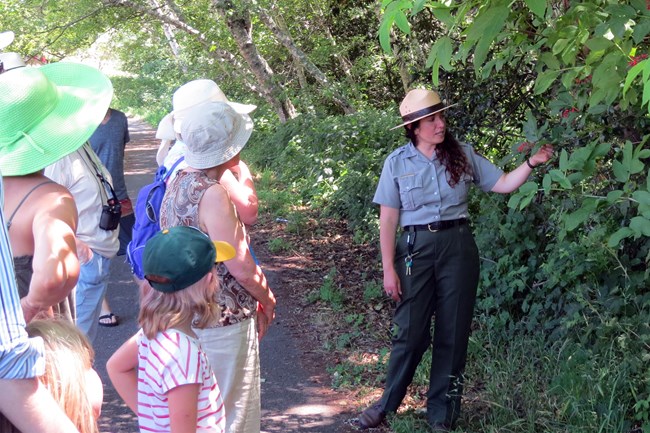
[[171, 170], [23, 201]]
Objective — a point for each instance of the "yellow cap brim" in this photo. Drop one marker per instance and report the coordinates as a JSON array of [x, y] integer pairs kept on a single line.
[[225, 251]]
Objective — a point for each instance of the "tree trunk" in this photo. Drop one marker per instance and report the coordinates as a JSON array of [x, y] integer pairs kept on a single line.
[[239, 24], [298, 55], [344, 61], [177, 22], [168, 30]]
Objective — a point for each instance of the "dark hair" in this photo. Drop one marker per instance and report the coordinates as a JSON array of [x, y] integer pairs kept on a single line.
[[448, 152]]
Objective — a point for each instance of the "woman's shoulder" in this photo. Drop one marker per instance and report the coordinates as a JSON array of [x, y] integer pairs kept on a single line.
[[465, 146], [400, 152]]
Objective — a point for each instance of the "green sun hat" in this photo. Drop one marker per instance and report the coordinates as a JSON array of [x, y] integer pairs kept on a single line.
[[178, 257], [48, 112]]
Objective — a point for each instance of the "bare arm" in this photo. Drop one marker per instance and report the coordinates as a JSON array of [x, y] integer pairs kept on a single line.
[[388, 220], [55, 263], [238, 181], [509, 182], [122, 368], [183, 408], [31, 408], [217, 215]]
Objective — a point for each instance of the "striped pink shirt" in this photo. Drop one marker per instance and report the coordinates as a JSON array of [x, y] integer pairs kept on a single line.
[[172, 359]]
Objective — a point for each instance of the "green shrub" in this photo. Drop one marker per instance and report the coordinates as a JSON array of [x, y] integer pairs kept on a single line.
[[330, 162]]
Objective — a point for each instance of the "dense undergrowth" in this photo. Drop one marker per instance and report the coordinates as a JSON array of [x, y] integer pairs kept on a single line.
[[562, 332]]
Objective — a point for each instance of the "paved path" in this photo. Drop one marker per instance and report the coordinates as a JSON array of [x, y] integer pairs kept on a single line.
[[294, 397]]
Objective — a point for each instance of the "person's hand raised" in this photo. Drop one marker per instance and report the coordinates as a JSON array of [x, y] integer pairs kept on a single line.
[[542, 155]]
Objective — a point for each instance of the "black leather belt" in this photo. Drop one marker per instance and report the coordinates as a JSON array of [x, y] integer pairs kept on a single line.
[[438, 225]]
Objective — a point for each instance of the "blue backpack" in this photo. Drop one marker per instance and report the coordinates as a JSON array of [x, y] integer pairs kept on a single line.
[[147, 217]]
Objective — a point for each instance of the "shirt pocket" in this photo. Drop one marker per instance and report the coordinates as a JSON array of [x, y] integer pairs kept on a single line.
[[411, 191], [460, 190]]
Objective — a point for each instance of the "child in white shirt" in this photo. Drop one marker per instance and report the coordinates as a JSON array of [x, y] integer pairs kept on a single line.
[[162, 373]]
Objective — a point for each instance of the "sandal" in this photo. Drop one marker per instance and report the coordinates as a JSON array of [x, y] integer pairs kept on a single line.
[[109, 320]]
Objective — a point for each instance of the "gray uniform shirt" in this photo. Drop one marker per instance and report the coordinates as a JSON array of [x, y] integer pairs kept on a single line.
[[418, 186]]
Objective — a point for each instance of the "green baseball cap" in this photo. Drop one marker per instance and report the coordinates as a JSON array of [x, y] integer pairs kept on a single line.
[[178, 257]]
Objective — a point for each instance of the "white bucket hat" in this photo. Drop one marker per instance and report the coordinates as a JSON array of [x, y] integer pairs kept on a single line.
[[189, 95], [11, 61], [214, 133], [6, 38], [185, 97]]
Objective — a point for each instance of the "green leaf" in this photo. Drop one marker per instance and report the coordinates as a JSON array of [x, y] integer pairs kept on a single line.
[[578, 217], [621, 173], [614, 196], [402, 22], [514, 200], [560, 178], [641, 30], [484, 29], [384, 33], [441, 51], [524, 195], [597, 109], [538, 7], [568, 78], [530, 129], [632, 74], [559, 46], [417, 7], [594, 56], [442, 13], [617, 237], [435, 73], [547, 183], [544, 81], [549, 60], [646, 94], [599, 44], [640, 225], [601, 149], [643, 198]]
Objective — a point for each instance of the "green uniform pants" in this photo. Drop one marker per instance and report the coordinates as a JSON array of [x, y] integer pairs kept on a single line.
[[442, 282]]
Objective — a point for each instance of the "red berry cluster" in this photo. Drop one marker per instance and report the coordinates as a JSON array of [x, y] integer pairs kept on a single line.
[[647, 4], [568, 111], [525, 146], [636, 59], [586, 80]]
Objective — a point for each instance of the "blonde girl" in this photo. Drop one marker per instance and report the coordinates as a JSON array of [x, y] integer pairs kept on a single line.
[[162, 373], [69, 375]]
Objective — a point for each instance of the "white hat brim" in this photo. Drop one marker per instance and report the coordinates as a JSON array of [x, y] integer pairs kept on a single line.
[[165, 129], [6, 38]]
